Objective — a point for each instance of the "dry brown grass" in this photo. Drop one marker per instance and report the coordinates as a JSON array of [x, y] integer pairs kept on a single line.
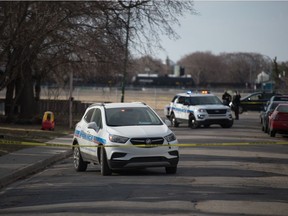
[[156, 98]]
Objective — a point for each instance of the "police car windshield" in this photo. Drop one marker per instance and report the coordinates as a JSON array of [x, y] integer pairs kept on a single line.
[[204, 100], [131, 116]]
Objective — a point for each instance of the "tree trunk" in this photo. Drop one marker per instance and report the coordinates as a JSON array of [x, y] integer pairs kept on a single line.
[[9, 101], [25, 92], [37, 88]]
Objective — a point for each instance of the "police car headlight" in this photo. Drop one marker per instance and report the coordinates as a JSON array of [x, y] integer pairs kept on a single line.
[[201, 110], [171, 137], [118, 139]]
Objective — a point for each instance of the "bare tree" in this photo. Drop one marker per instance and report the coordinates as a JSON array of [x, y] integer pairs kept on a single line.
[[39, 38], [244, 67], [145, 21], [50, 39], [234, 68], [204, 67], [279, 76], [24, 30], [147, 64]]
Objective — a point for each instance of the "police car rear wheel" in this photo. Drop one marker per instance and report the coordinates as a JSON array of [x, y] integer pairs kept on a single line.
[[105, 169], [79, 164]]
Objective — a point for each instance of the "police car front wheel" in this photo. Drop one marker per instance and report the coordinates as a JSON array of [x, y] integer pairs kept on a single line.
[[193, 123], [174, 120], [105, 169], [79, 164]]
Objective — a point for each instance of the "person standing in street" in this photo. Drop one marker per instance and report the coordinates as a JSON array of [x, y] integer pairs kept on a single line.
[[226, 98], [236, 104]]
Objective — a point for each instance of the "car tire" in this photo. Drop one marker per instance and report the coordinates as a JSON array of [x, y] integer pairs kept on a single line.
[[105, 169], [171, 170], [79, 164], [193, 122], [174, 120]]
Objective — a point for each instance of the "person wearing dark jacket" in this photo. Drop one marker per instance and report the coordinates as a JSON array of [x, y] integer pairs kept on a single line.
[[236, 104], [226, 98]]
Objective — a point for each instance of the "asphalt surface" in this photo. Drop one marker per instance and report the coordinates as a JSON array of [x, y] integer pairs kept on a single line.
[[20, 164], [25, 162]]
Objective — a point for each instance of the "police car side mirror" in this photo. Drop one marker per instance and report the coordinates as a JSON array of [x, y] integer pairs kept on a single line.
[[93, 126]]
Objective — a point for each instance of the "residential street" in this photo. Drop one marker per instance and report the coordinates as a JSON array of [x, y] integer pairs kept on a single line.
[[250, 179]]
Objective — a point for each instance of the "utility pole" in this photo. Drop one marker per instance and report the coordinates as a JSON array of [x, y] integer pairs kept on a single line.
[[126, 55], [70, 100]]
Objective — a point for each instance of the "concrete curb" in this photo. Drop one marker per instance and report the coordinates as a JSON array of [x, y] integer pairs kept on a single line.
[[33, 168]]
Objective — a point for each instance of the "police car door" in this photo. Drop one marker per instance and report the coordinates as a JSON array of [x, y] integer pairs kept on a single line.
[[180, 108], [95, 130], [84, 133], [185, 108]]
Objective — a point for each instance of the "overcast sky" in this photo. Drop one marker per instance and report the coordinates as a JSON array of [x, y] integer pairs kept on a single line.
[[232, 26]]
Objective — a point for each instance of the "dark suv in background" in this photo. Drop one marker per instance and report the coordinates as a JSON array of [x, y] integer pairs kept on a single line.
[[255, 101]]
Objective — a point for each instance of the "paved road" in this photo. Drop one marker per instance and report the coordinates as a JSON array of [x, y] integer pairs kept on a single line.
[[247, 129], [218, 181]]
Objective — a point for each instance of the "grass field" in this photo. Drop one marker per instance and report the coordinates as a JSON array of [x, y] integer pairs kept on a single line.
[[157, 98]]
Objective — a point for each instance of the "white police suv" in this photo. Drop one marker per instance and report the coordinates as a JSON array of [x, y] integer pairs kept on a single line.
[[123, 135], [198, 109]]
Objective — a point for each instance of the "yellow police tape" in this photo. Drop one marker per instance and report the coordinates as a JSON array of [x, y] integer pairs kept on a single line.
[[26, 143]]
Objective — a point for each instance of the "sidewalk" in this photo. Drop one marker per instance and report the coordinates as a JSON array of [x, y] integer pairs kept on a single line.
[[25, 162]]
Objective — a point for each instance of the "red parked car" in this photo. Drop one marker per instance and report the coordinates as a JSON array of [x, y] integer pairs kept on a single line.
[[278, 120]]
